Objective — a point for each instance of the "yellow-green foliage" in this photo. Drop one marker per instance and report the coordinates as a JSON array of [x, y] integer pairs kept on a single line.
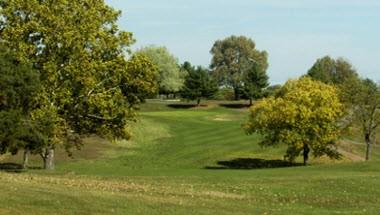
[[79, 52], [304, 113]]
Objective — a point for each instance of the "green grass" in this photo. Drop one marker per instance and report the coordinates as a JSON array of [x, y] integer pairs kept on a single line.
[[163, 171]]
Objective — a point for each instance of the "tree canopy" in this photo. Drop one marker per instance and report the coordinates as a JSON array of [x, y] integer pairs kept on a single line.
[[169, 78], [332, 71], [303, 115], [233, 58], [198, 83], [79, 53]]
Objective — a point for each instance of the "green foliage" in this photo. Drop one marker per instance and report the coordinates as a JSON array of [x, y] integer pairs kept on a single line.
[[19, 86], [236, 62], [169, 77], [331, 71], [303, 115], [79, 53], [198, 83], [224, 93], [255, 81], [362, 98]]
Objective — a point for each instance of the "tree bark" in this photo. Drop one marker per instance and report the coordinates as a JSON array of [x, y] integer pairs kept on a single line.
[[306, 151], [368, 146], [250, 101], [49, 159], [25, 161]]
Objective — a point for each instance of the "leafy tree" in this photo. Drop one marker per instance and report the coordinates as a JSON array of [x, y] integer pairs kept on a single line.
[[169, 78], [235, 57], [19, 85], [362, 97], [331, 71], [303, 115], [79, 53], [255, 81], [198, 83]]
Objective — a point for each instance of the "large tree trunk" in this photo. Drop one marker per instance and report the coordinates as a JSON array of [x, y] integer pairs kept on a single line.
[[306, 151], [26, 159], [49, 159], [368, 146]]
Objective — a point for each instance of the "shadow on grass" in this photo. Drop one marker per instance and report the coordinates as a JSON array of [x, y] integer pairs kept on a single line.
[[185, 106], [235, 106], [252, 163], [10, 167], [14, 168]]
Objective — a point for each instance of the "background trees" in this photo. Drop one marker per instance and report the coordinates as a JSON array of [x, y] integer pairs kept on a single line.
[[235, 57], [198, 83], [331, 71], [169, 77], [79, 54], [303, 115]]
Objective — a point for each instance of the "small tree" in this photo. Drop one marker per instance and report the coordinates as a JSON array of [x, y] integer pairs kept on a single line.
[[303, 115], [362, 97], [198, 83], [255, 81]]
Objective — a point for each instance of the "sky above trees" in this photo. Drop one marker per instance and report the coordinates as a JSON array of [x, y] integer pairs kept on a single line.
[[294, 32]]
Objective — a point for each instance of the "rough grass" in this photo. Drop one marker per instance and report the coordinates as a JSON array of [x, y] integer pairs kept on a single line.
[[171, 167]]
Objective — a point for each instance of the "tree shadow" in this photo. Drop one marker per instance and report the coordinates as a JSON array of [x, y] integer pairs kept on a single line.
[[11, 167], [235, 106], [185, 106], [15, 168], [252, 163]]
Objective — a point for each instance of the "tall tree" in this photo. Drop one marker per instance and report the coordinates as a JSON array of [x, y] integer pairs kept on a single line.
[[331, 71], [303, 115], [362, 97], [169, 78], [233, 58], [79, 52], [198, 83]]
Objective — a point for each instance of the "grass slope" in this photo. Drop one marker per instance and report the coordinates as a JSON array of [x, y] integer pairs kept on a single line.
[[163, 171]]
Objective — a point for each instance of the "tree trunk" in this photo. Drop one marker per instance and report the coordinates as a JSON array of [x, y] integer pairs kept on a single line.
[[368, 146], [198, 102], [306, 151], [26, 159], [49, 159], [250, 101]]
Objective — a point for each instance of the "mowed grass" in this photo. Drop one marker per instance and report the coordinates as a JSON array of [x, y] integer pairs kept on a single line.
[[171, 167]]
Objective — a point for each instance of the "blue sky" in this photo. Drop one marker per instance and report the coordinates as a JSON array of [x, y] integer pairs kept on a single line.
[[294, 32]]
